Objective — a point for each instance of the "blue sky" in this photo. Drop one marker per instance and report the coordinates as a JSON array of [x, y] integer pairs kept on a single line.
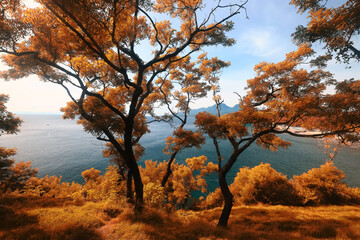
[[264, 36]]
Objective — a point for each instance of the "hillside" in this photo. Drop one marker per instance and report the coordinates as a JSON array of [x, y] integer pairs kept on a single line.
[[51, 218]]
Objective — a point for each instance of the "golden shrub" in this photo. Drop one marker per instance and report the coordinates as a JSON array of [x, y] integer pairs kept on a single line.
[[324, 186], [263, 184]]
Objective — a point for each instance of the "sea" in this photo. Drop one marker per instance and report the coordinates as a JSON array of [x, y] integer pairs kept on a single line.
[[62, 148]]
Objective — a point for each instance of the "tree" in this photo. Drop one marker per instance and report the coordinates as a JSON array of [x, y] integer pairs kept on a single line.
[[194, 84], [93, 47], [337, 27], [9, 124], [281, 96]]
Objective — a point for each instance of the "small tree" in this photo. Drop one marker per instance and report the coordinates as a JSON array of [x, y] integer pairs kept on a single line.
[[281, 96]]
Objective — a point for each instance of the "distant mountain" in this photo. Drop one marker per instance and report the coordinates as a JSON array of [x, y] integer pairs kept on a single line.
[[212, 109]]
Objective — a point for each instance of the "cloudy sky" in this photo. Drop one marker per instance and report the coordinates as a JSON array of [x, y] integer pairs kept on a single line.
[[264, 36]]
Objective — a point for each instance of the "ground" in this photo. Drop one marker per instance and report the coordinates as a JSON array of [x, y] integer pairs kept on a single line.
[[50, 218]]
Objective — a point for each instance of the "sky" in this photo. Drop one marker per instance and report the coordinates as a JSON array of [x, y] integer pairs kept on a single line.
[[264, 36]]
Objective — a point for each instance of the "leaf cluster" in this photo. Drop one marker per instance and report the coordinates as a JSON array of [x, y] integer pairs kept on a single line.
[[9, 124], [182, 182], [337, 27]]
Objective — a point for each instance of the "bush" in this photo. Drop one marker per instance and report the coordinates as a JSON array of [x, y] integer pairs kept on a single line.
[[263, 184], [107, 187], [323, 186], [17, 176], [154, 195], [213, 200]]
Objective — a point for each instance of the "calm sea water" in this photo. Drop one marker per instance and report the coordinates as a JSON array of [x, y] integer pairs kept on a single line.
[[60, 147]]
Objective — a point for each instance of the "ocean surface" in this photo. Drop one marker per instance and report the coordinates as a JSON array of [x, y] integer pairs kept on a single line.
[[61, 147]]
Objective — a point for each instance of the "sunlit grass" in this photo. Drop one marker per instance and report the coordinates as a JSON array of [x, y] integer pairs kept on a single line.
[[51, 218]]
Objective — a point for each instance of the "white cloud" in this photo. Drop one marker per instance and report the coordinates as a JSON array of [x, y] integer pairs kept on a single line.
[[259, 42]]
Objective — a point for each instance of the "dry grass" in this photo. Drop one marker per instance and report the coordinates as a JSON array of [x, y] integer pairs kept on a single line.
[[49, 218]]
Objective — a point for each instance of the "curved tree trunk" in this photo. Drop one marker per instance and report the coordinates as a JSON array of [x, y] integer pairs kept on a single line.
[[228, 197], [168, 170]]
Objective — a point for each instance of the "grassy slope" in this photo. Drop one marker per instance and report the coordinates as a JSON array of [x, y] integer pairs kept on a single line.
[[41, 218]]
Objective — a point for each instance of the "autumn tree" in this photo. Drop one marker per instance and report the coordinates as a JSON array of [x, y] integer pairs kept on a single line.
[[92, 48], [105, 118], [337, 27], [281, 96]]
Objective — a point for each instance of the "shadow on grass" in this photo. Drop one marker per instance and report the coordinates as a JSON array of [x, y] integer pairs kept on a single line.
[[11, 219], [34, 233], [17, 224]]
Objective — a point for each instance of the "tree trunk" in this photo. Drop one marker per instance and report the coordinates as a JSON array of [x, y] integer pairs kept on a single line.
[[139, 189], [168, 169], [134, 169], [132, 164], [129, 191], [228, 197]]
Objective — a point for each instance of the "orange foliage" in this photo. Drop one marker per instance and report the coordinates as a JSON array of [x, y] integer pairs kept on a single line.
[[90, 48], [109, 187], [263, 184], [91, 174], [13, 176], [323, 186], [183, 139], [183, 180], [336, 26]]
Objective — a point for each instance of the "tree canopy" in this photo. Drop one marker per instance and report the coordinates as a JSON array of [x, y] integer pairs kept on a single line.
[[93, 50], [280, 97], [337, 27]]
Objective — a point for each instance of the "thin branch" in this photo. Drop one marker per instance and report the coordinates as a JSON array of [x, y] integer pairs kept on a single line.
[[156, 31]]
